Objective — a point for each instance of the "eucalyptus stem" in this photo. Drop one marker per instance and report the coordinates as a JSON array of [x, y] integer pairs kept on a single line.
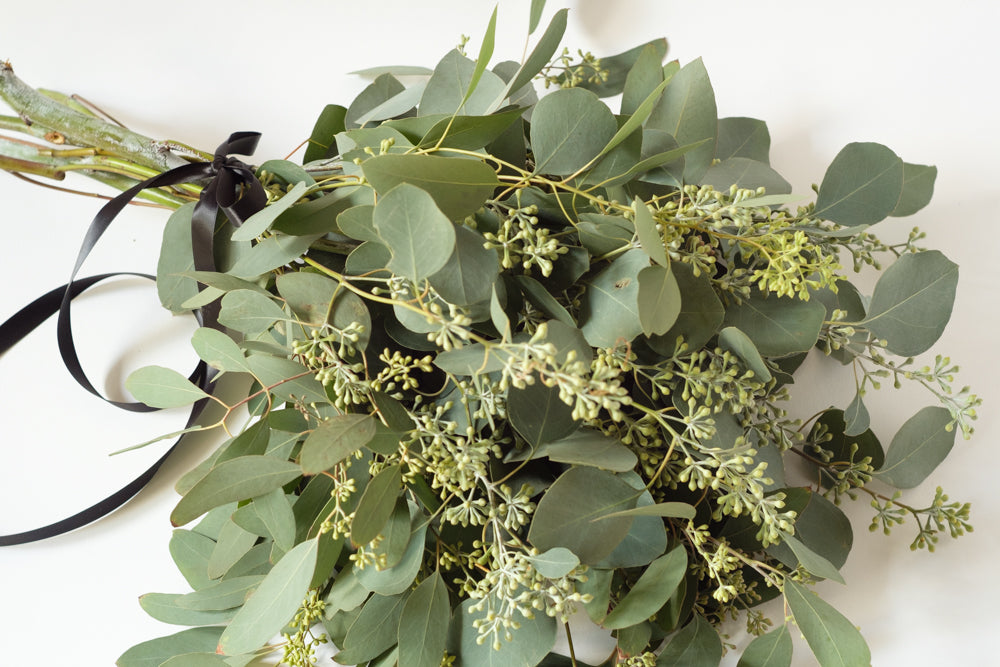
[[80, 129]]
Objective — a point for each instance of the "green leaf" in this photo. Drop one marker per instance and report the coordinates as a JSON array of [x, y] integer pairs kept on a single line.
[[861, 186], [469, 132], [635, 121], [396, 535], [541, 299], [649, 235], [771, 650], [190, 552], [569, 128], [237, 479], [833, 424], [271, 253], [856, 417], [554, 563], [160, 387], [274, 510], [356, 222], [912, 302], [400, 576], [327, 126], [537, 7], [833, 639], [743, 137], [249, 312], [590, 448], [376, 504], [618, 67], [609, 312], [655, 586], [745, 173], [459, 186], [777, 326], [164, 607], [420, 237], [398, 105], [567, 515], [396, 70], [673, 510], [538, 414], [469, 360], [688, 113], [221, 595], [920, 445], [538, 59], [176, 258], [820, 526], [468, 275], [334, 440], [647, 536], [700, 315], [274, 603], [697, 644], [659, 300], [485, 53], [643, 78], [654, 161], [219, 350], [201, 659], [384, 87], [812, 561], [534, 639], [318, 299], [232, 544], [918, 188], [155, 652], [737, 342], [374, 631], [423, 625], [286, 379], [320, 215], [452, 79], [261, 221]]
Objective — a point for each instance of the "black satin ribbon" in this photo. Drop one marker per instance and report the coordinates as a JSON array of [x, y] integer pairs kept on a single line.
[[230, 187]]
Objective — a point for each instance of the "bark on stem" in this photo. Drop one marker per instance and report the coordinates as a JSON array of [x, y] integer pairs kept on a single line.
[[81, 129]]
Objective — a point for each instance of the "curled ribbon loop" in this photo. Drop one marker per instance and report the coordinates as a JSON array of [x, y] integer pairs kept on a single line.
[[230, 188]]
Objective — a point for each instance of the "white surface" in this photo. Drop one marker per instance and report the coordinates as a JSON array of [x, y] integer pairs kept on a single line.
[[917, 76]]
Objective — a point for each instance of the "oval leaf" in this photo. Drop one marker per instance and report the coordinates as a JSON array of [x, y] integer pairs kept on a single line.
[[376, 504], [569, 128], [697, 644], [423, 625], [861, 186], [418, 235], [771, 650], [219, 350], [659, 300], [160, 387], [554, 563], [334, 440], [912, 302], [919, 446]]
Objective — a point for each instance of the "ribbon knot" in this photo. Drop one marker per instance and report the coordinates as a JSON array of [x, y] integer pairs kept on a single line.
[[230, 187]]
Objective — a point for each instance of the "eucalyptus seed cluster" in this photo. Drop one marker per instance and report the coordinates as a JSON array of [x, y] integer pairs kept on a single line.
[[566, 72], [521, 240], [299, 646]]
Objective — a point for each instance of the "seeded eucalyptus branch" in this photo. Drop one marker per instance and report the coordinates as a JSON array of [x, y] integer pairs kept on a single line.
[[513, 357]]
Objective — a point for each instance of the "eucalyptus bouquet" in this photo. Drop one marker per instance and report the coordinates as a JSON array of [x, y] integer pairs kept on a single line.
[[511, 356]]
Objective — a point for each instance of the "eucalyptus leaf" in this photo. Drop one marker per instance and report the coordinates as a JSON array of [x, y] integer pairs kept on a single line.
[[221, 595], [469, 273], [176, 258], [688, 113], [539, 415], [165, 607], [219, 351], [777, 326], [569, 128], [260, 222], [590, 448], [237, 479], [160, 387], [658, 582], [423, 624], [856, 417], [912, 302], [697, 644], [659, 300], [649, 235], [334, 440], [920, 445], [701, 313], [538, 59], [812, 561], [739, 343], [190, 552], [384, 87], [745, 173], [644, 77], [773, 649], [155, 652], [609, 312], [861, 186], [745, 138], [249, 312], [833, 639], [459, 186], [272, 253], [329, 123], [232, 544], [554, 563], [275, 512], [536, 637], [273, 604], [452, 78], [918, 188], [376, 503], [569, 514]]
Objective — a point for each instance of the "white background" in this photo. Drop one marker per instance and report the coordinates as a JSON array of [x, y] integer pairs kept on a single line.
[[918, 76]]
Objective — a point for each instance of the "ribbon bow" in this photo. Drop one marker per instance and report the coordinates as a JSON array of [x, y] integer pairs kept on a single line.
[[231, 188]]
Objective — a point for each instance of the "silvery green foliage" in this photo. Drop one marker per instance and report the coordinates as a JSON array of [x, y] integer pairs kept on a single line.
[[513, 354]]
